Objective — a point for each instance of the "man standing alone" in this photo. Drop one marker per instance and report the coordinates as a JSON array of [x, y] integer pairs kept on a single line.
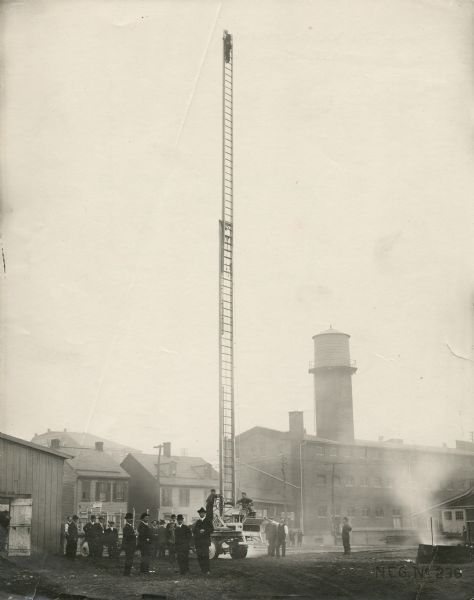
[[202, 540], [182, 540], [346, 536]]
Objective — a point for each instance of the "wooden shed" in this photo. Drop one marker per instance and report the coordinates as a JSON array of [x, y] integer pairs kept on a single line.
[[31, 483]]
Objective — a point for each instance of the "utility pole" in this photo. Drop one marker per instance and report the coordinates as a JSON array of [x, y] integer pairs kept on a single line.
[[333, 509], [158, 489], [284, 462]]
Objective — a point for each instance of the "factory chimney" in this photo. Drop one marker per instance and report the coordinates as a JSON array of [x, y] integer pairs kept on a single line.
[[332, 371]]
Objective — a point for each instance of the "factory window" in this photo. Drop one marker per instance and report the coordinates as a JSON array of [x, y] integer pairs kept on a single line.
[[462, 484], [319, 450], [396, 511], [364, 511], [337, 510], [333, 451], [364, 482], [322, 510], [379, 511], [389, 483], [459, 515], [361, 452], [167, 496], [337, 480], [450, 485], [447, 516], [377, 482], [350, 481], [351, 511], [184, 496], [321, 479], [346, 452], [86, 490]]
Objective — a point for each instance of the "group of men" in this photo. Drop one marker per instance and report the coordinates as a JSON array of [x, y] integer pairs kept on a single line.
[[151, 540], [276, 535], [179, 536]]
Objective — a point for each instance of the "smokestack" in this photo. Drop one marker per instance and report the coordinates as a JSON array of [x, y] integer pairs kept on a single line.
[[99, 446], [167, 449], [332, 371], [55, 443], [296, 424]]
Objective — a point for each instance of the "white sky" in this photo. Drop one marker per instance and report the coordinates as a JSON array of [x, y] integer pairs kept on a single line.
[[353, 191]]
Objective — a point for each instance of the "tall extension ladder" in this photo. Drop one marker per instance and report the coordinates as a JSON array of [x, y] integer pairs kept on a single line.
[[226, 291]]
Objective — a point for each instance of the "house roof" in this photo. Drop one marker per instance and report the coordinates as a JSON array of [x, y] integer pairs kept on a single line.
[[464, 499], [74, 439], [21, 442], [93, 463], [189, 469]]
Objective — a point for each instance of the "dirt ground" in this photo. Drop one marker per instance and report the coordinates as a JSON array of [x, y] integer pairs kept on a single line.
[[303, 574]]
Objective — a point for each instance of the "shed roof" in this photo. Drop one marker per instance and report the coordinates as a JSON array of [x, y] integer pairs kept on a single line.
[[459, 500], [75, 439], [21, 442]]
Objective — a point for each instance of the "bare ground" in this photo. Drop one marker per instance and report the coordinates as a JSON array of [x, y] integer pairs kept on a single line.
[[305, 574]]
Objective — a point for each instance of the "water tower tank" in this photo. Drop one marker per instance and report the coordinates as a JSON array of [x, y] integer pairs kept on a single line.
[[332, 370]]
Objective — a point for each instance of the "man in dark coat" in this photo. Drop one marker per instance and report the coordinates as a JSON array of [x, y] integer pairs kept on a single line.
[[99, 537], [271, 535], [182, 535], [111, 540], [144, 543], [170, 541], [162, 539], [346, 535], [72, 536], [282, 534], [129, 543], [202, 539], [154, 528], [90, 533]]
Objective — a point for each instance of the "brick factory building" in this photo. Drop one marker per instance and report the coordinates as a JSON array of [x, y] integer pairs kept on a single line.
[[318, 479]]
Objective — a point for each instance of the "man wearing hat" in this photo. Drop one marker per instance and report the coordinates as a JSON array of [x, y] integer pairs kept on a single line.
[[170, 540], [182, 534], [111, 539], [202, 539], [144, 543], [162, 539], [129, 543], [72, 537]]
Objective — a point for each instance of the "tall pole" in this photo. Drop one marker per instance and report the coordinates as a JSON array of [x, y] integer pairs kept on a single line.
[[283, 470], [226, 286], [158, 486]]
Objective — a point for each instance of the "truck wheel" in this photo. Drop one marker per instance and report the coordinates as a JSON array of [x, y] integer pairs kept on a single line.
[[238, 551]]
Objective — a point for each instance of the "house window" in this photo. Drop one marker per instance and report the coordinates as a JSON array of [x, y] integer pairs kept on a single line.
[[321, 479], [379, 511], [167, 496], [459, 515], [86, 490], [102, 491], [120, 491], [322, 510], [447, 516], [184, 496]]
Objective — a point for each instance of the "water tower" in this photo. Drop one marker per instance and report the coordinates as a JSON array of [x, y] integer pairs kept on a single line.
[[332, 370]]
